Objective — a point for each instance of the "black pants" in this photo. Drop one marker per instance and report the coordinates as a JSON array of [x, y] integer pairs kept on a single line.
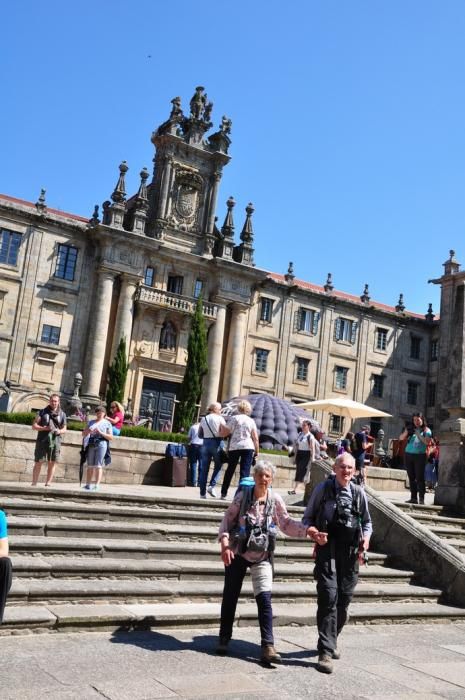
[[233, 579], [415, 466], [5, 582], [336, 573]]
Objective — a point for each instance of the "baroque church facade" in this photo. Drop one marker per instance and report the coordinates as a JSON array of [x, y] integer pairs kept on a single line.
[[71, 288]]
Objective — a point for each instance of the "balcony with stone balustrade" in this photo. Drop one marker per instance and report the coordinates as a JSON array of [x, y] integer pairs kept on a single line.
[[167, 300]]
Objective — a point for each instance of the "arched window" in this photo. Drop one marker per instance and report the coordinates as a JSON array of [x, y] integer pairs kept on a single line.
[[168, 336]]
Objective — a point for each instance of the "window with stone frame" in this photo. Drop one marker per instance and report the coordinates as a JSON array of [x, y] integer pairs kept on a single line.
[[433, 355], [340, 378], [415, 347], [65, 267], [198, 288], [412, 393], [10, 242], [261, 359], [307, 320], [266, 309], [50, 334], [149, 276], [378, 385], [301, 373], [381, 338], [175, 284], [336, 424], [168, 336], [345, 330], [431, 395]]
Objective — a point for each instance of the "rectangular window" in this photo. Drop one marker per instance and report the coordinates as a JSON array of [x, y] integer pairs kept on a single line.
[[149, 276], [302, 368], [9, 247], [198, 288], [378, 385], [307, 320], [412, 393], [50, 334], [261, 359], [340, 381], [175, 284], [336, 424], [345, 330], [431, 401], [266, 310], [381, 338], [434, 350], [66, 262], [415, 347]]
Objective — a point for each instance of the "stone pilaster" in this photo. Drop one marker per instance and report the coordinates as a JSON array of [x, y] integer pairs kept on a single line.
[[124, 316], [215, 353], [97, 340], [236, 345]]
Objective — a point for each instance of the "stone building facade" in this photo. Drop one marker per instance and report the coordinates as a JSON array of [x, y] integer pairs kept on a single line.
[[71, 288]]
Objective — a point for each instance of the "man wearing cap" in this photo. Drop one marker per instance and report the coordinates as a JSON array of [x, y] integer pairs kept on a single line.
[[361, 444], [338, 520], [5, 564]]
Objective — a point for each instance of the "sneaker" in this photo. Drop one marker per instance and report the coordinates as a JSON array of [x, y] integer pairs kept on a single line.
[[325, 663], [88, 487], [336, 654], [421, 501], [212, 492], [223, 498], [412, 500], [270, 655], [204, 495], [222, 648], [96, 487]]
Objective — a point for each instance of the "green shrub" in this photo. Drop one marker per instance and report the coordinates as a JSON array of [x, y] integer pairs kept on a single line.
[[138, 431], [21, 418]]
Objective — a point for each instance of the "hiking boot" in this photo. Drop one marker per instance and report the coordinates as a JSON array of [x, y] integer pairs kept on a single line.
[[222, 648], [325, 663], [270, 655], [336, 654]]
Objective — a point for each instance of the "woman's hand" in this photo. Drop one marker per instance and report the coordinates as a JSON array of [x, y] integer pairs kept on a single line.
[[227, 555]]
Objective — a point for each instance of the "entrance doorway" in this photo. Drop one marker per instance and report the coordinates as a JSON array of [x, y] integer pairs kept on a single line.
[[157, 399]]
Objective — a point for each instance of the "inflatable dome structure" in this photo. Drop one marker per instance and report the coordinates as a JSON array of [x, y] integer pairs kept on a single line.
[[277, 419]]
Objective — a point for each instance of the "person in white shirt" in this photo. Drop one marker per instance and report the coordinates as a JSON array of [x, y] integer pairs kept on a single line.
[[211, 429], [96, 436], [194, 453], [243, 444]]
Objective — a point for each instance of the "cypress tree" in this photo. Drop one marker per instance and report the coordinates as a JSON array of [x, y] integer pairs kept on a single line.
[[117, 373], [196, 369]]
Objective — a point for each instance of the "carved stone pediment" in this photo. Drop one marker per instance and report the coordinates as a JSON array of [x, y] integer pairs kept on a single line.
[[234, 288]]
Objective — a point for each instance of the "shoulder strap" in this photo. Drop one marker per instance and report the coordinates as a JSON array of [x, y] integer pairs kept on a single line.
[[209, 428]]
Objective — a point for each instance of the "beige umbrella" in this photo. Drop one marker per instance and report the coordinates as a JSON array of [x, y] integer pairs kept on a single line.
[[344, 407]]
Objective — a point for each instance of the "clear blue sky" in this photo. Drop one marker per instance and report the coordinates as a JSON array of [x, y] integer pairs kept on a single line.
[[348, 121]]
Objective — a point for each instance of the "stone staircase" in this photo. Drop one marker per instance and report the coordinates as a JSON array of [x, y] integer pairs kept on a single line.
[[108, 560], [448, 527]]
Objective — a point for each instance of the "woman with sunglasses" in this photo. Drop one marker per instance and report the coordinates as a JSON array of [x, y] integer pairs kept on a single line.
[[116, 417]]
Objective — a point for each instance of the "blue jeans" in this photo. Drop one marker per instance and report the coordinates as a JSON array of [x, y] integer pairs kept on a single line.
[[234, 456], [194, 454], [209, 451]]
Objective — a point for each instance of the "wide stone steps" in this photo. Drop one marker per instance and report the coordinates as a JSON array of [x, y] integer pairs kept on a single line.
[[77, 617], [93, 589], [446, 526], [100, 560], [94, 567]]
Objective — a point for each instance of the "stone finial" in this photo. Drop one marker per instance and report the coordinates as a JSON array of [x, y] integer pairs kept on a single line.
[[429, 315], [94, 220], [365, 297], [226, 125], [329, 283], [247, 230], [289, 276], [400, 307], [41, 204], [451, 266], [142, 191], [228, 227], [119, 193]]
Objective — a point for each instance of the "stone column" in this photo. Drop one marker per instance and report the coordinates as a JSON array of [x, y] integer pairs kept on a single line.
[[165, 186], [213, 201], [215, 353], [97, 340], [124, 315], [236, 345]]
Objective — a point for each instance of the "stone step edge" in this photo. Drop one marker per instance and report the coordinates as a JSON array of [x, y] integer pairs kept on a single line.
[[78, 617]]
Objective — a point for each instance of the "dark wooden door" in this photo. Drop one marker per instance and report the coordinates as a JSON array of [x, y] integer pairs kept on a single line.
[[158, 396]]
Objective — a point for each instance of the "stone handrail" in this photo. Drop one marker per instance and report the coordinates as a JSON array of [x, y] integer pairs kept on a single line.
[[160, 297]]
